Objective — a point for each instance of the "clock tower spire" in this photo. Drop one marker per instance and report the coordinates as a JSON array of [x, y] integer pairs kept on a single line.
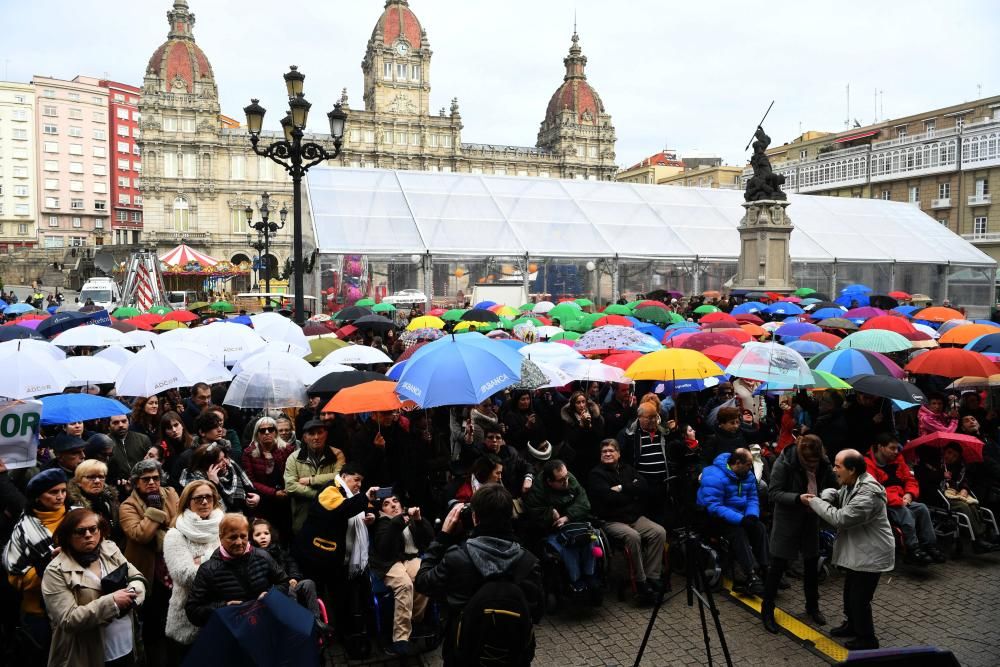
[[397, 63]]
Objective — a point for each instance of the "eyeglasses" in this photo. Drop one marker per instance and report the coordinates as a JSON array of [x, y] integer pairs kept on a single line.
[[95, 478], [198, 500], [86, 530], [150, 480], [266, 429]]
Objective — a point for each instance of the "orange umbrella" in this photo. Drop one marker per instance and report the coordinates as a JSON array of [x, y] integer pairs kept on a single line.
[[952, 362], [754, 330], [823, 338], [374, 396], [180, 316], [964, 334], [739, 335], [937, 314]]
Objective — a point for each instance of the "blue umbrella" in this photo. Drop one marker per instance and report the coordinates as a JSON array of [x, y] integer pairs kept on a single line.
[[242, 319], [824, 313], [852, 289], [16, 332], [987, 344], [906, 310], [989, 323], [52, 309], [749, 307], [19, 309], [485, 305], [852, 300], [60, 322], [395, 370], [3, 304], [69, 408], [459, 370], [796, 329], [807, 348], [652, 330], [783, 308], [512, 343]]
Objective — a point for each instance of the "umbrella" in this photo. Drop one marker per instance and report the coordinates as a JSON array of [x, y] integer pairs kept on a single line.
[[754, 329], [356, 354], [180, 316], [152, 371], [902, 296], [321, 347], [721, 354], [616, 320], [18, 309], [412, 336], [91, 336], [279, 363], [383, 308], [937, 314], [609, 338], [825, 313], [990, 343], [197, 305], [313, 329], [673, 365], [263, 389], [352, 313], [542, 307], [783, 308], [566, 335], [771, 362], [529, 320], [126, 326], [972, 447], [820, 380], [564, 311], [796, 329], [655, 315], [852, 300], [906, 310], [621, 360], [748, 318], [863, 313], [90, 370], [749, 307], [920, 298], [717, 317], [339, 379], [170, 325], [823, 338], [366, 302], [28, 344], [652, 330], [952, 362], [975, 382], [372, 396], [592, 370], [853, 362], [222, 307], [533, 377], [230, 343], [273, 327], [581, 322], [479, 315], [115, 354], [808, 348], [160, 310], [738, 335], [705, 309], [855, 288], [882, 301], [469, 325], [837, 323], [804, 291], [701, 341], [951, 324], [17, 332], [546, 332], [616, 309], [125, 312], [375, 323], [60, 322], [889, 323], [875, 340], [29, 372], [459, 370], [549, 352], [965, 334], [69, 408], [425, 322], [891, 388]]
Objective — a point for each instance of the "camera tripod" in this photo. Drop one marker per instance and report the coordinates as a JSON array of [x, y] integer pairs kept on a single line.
[[696, 586]]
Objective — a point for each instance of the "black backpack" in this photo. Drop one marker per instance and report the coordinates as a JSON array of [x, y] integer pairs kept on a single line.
[[495, 627]]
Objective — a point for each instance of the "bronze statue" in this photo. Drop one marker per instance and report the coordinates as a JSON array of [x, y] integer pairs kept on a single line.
[[764, 184]]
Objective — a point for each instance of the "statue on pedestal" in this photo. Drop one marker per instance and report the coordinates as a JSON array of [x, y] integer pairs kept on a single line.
[[764, 184]]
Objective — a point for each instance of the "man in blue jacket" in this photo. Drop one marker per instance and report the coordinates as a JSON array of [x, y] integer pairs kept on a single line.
[[728, 492]]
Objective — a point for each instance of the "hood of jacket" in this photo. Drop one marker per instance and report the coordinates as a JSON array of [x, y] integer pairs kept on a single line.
[[868, 485], [566, 412], [722, 463], [492, 555]]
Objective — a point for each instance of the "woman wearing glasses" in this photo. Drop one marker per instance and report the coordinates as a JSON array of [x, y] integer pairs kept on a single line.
[[264, 463], [189, 543], [89, 489], [145, 517], [91, 612]]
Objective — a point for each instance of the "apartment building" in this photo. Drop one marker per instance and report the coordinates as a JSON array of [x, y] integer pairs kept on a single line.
[[125, 163], [18, 195]]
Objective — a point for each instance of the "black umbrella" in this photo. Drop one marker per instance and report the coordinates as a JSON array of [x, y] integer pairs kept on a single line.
[[375, 323], [821, 305], [17, 332], [757, 295], [480, 315], [352, 313], [882, 301], [331, 383], [818, 295], [887, 387], [60, 322]]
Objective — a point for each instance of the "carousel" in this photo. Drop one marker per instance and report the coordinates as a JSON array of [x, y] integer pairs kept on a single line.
[[184, 268]]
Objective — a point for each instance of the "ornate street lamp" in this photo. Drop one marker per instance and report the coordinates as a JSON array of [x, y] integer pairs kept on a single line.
[[296, 157], [257, 245], [265, 230]]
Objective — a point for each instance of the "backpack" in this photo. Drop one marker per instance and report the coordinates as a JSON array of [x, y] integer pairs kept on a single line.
[[495, 627]]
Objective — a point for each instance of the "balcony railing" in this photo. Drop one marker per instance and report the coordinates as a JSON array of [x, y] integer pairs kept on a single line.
[[914, 202], [914, 138], [980, 200], [941, 203], [982, 236]]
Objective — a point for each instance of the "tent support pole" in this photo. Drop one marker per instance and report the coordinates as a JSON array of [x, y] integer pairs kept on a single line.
[[947, 274], [892, 277], [696, 277], [833, 281], [427, 265], [525, 279], [615, 278]]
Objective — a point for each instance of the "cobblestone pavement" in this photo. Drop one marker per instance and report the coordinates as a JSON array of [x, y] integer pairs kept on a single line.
[[953, 606]]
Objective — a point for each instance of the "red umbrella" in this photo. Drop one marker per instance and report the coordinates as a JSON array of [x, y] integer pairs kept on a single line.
[[952, 362], [900, 296], [701, 341], [151, 319], [436, 312], [749, 318], [722, 354], [711, 318], [823, 337], [972, 447], [889, 323], [774, 296], [792, 299], [621, 360], [181, 316], [739, 335], [676, 340], [649, 303], [315, 329], [618, 320], [720, 326], [408, 352]]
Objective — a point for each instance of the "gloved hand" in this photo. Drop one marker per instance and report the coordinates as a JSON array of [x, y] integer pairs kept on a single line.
[[749, 521]]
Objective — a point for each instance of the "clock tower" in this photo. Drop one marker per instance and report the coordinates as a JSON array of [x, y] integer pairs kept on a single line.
[[397, 63]]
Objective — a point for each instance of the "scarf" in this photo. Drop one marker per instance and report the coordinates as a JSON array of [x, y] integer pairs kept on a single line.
[[357, 536], [86, 558], [233, 485], [691, 443], [198, 530], [228, 556]]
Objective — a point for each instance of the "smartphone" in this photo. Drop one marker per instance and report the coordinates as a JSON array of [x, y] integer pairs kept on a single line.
[[383, 493]]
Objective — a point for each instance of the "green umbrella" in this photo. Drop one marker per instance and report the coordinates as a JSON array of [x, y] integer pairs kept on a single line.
[[453, 315], [655, 315], [564, 311], [675, 318], [367, 302], [804, 291], [222, 307], [617, 309], [526, 307], [506, 323], [197, 305], [160, 310], [124, 312], [632, 304], [704, 310], [322, 346], [383, 308], [531, 320], [583, 322], [583, 303], [566, 335], [826, 380]]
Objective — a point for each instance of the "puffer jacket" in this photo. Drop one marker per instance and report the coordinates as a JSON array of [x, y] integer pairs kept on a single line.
[[864, 537], [894, 492], [726, 496], [570, 502], [220, 581], [388, 546]]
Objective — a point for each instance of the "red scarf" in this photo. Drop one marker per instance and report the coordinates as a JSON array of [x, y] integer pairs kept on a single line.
[[691, 443]]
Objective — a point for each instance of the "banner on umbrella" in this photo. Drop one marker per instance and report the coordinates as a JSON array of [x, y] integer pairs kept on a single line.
[[100, 317], [19, 422]]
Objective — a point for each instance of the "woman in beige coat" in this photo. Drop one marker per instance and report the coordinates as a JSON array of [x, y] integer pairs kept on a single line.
[[91, 628]]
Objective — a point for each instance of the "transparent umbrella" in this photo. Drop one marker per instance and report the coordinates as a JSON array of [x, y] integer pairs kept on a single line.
[[281, 363], [273, 327], [228, 342], [265, 388]]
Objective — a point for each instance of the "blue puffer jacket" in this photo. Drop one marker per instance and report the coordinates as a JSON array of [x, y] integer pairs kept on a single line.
[[724, 495]]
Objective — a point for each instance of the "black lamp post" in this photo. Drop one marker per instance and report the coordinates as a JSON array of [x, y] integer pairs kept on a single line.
[[257, 245], [296, 157], [265, 230]]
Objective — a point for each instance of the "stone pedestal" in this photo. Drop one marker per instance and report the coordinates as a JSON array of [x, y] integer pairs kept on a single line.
[[765, 263]]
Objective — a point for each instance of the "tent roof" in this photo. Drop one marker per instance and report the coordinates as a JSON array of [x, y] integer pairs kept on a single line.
[[183, 255], [386, 212]]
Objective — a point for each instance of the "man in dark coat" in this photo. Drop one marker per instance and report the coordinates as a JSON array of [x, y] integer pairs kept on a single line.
[[799, 471], [130, 448], [372, 445], [518, 476], [620, 411], [726, 437]]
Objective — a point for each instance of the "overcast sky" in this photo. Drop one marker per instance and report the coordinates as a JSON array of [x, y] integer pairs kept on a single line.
[[693, 76]]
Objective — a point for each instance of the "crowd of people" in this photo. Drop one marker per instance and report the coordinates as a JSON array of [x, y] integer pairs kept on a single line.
[[133, 530]]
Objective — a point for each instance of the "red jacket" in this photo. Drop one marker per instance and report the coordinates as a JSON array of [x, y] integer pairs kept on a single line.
[[894, 491], [256, 468]]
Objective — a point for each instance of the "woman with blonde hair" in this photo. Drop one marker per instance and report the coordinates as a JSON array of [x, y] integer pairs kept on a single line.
[[264, 463], [89, 489]]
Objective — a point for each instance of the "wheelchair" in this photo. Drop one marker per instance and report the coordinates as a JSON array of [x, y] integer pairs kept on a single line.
[[622, 579], [426, 635], [955, 523], [558, 593]]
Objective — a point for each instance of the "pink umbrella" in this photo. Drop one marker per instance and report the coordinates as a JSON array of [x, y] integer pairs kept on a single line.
[[972, 447]]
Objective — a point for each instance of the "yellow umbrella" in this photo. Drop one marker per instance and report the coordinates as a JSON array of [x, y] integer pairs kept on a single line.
[[321, 346], [673, 364], [505, 311], [167, 325], [425, 322], [465, 325]]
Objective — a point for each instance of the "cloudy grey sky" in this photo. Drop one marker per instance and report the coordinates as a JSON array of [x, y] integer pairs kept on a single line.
[[694, 76]]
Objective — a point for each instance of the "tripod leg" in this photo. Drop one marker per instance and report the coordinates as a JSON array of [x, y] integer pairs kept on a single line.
[[649, 628], [704, 632], [715, 616]]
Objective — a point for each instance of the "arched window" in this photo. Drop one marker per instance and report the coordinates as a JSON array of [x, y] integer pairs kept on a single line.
[[182, 216]]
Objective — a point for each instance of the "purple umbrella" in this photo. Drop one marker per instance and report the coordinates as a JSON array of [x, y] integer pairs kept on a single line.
[[796, 329], [30, 324], [863, 313]]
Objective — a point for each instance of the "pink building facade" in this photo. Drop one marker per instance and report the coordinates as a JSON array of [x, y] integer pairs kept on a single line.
[[124, 164]]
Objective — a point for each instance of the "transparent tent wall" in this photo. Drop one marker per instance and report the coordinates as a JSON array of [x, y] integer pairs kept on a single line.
[[876, 276], [813, 275], [972, 289]]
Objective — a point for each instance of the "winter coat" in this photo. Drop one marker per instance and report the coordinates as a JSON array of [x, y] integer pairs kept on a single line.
[[794, 528], [724, 495], [515, 468], [106, 504], [894, 491], [180, 548], [298, 466], [617, 416], [864, 537], [126, 453], [221, 581], [321, 539], [145, 527], [934, 422], [519, 434], [283, 557], [256, 464], [570, 502], [833, 429], [79, 610], [722, 441], [584, 440], [623, 506], [387, 542]]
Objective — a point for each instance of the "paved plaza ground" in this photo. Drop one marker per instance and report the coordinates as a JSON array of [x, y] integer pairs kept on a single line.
[[954, 605]]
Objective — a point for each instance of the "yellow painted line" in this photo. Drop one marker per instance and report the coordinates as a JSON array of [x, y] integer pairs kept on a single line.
[[793, 626]]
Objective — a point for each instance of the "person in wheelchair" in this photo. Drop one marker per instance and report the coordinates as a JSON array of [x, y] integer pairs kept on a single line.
[[397, 538], [886, 465], [551, 507], [728, 493], [617, 492]]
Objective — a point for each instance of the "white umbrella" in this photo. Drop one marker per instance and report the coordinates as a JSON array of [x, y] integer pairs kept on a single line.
[[30, 373], [90, 370], [556, 376], [548, 352], [262, 389], [275, 347], [228, 342], [279, 363], [115, 354], [91, 336], [275, 328], [543, 307], [140, 338], [27, 344], [548, 331], [591, 370], [176, 336], [356, 354], [923, 328], [152, 371]]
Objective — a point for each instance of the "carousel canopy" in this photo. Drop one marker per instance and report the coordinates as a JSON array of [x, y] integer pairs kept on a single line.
[[183, 255]]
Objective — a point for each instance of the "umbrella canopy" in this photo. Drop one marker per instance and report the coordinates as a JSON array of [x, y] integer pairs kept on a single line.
[[825, 313], [125, 312], [823, 337], [906, 310], [413, 336], [30, 345], [366, 302], [549, 352], [975, 383], [319, 348], [425, 322], [621, 360], [566, 335], [657, 315], [152, 371], [717, 317], [28, 372], [889, 323], [564, 311], [352, 313], [375, 323], [230, 343], [479, 315], [60, 322], [754, 329], [170, 325], [673, 365], [383, 308], [702, 341], [808, 348], [804, 291], [875, 340], [965, 334], [771, 362], [749, 307], [783, 308], [453, 315], [279, 363], [990, 343], [356, 354], [90, 370], [262, 389], [273, 327], [853, 362], [115, 354], [180, 316], [902, 296], [70, 408], [314, 329], [722, 354], [951, 324], [838, 323], [542, 307], [372, 396], [952, 362], [937, 314], [91, 336], [617, 320], [592, 370], [339, 379], [891, 388], [972, 447], [611, 338], [16, 332], [459, 370], [856, 288], [882, 301], [222, 307], [739, 335], [796, 329], [821, 380], [705, 309]]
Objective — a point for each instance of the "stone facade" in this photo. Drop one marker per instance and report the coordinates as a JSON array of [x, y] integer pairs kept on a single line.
[[18, 176], [765, 263]]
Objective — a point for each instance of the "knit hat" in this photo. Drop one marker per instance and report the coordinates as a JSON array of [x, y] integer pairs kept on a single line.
[[97, 444], [64, 442], [543, 452], [44, 481], [313, 423]]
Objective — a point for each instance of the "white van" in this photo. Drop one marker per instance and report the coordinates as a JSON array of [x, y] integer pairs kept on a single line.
[[179, 300], [103, 292]]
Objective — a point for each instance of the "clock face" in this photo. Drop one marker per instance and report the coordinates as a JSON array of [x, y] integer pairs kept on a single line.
[[402, 49]]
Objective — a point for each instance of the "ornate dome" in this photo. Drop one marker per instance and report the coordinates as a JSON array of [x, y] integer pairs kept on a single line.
[[575, 93], [179, 63], [398, 20]]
